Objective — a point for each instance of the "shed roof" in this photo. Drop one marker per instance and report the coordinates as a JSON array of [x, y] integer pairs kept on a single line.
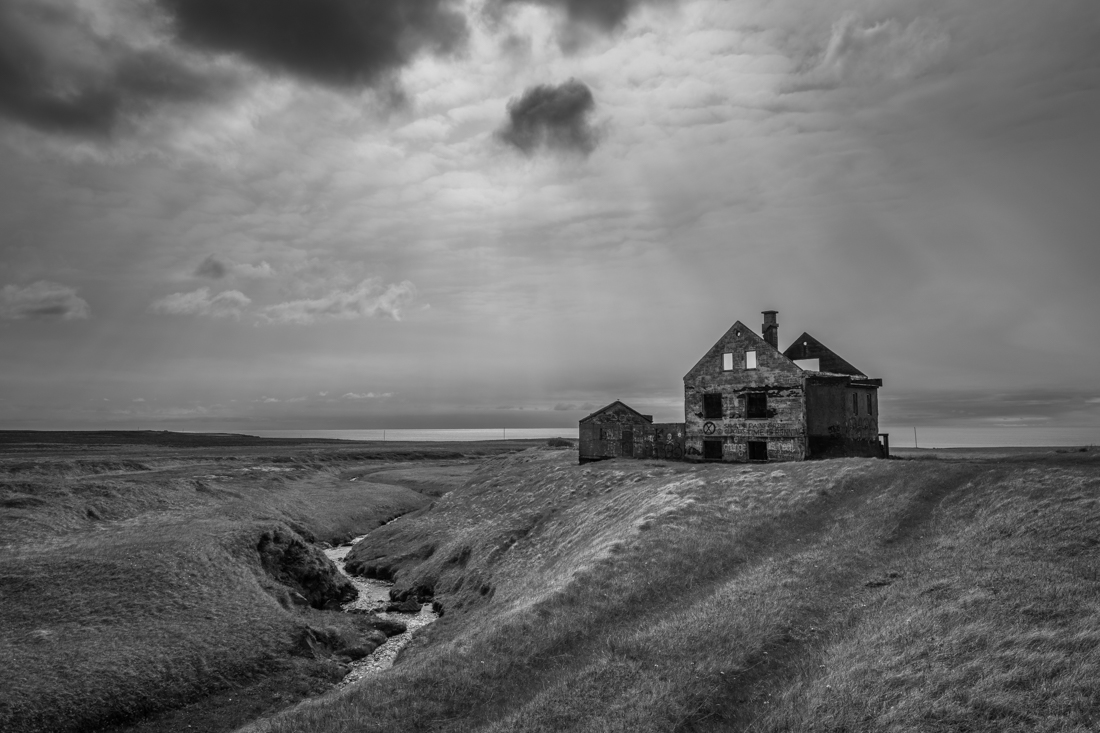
[[621, 404]]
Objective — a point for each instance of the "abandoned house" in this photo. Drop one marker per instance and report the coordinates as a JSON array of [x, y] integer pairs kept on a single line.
[[747, 401]]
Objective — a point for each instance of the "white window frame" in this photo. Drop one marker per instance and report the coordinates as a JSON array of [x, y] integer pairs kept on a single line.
[[750, 359]]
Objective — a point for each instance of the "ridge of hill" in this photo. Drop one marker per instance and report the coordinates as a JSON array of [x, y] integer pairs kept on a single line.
[[850, 594]]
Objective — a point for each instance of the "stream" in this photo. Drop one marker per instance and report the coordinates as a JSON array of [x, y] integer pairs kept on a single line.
[[373, 596]]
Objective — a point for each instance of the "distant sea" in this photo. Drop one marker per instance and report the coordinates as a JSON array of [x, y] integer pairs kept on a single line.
[[900, 437], [421, 435]]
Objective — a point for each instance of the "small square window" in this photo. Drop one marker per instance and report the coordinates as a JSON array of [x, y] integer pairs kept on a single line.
[[758, 450], [712, 450], [750, 359], [727, 362]]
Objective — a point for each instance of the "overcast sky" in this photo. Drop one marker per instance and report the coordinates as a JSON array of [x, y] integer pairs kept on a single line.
[[366, 213]]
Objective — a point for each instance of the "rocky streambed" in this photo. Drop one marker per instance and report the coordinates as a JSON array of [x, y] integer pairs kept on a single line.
[[374, 597]]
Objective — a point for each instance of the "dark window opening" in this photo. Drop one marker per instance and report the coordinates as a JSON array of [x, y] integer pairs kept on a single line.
[[756, 405], [712, 450], [855, 404], [628, 443], [603, 433], [869, 410], [758, 450], [712, 405]]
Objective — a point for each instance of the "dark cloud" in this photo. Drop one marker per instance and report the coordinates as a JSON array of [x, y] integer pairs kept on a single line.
[[42, 299], [28, 94], [62, 69], [212, 268], [57, 75], [553, 117], [337, 42]]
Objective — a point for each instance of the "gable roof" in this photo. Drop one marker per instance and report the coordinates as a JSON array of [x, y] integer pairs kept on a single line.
[[746, 334], [619, 403], [807, 347]]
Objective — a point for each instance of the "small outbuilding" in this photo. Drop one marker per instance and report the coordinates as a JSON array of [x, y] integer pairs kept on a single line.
[[620, 431]]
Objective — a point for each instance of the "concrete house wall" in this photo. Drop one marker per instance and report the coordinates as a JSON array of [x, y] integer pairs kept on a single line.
[[732, 435], [666, 441], [838, 421]]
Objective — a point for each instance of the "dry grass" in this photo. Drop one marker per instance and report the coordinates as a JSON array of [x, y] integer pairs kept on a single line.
[[131, 582], [842, 595]]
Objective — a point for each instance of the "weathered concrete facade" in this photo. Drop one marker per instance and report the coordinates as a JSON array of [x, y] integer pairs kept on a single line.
[[744, 401], [619, 431], [747, 401]]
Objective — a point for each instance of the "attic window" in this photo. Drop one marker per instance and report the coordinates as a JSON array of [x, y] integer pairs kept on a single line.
[[750, 359], [727, 362]]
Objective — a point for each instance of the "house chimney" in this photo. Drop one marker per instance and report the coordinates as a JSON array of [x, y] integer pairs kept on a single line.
[[770, 329]]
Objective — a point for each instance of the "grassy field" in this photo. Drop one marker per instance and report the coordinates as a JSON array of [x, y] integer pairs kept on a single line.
[[956, 593], [141, 574]]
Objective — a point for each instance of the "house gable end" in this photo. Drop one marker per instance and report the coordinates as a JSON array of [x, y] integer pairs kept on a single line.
[[807, 347], [738, 339]]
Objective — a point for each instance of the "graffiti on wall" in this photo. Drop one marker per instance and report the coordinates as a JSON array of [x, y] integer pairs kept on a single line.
[[763, 430], [666, 443], [861, 428]]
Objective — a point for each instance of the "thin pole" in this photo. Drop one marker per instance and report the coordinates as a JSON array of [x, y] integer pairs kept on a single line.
[[506, 433], [383, 435], [915, 436]]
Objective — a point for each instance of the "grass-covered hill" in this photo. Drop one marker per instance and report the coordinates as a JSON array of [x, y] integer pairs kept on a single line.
[[139, 577], [843, 595]]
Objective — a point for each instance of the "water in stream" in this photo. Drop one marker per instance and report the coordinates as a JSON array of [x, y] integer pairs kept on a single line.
[[373, 596]]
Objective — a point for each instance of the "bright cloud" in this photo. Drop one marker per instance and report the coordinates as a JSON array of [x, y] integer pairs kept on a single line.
[[226, 304], [368, 299]]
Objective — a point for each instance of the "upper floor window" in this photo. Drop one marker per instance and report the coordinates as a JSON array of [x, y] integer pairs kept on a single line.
[[855, 404], [712, 405], [750, 359], [727, 362], [869, 410], [756, 404]]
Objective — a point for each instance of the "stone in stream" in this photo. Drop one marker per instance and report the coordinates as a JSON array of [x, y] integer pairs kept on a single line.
[[406, 606]]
